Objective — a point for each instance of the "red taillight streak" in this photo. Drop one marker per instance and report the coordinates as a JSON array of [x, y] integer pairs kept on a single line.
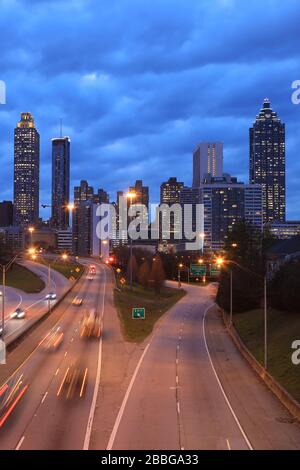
[[11, 408]]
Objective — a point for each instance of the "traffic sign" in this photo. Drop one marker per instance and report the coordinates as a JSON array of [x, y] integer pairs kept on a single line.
[[77, 270], [122, 280], [198, 270], [214, 270], [139, 313]]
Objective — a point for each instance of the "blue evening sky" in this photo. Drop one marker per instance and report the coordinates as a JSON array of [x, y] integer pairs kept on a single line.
[[139, 83]]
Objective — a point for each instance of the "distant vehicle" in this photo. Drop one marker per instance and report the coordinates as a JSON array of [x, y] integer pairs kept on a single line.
[[54, 340], [10, 395], [50, 296], [92, 270], [74, 381], [90, 325], [90, 277], [1, 294], [18, 314], [1, 330], [77, 301]]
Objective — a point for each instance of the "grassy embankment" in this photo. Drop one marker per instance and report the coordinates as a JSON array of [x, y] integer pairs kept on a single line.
[[283, 330], [22, 278], [156, 304]]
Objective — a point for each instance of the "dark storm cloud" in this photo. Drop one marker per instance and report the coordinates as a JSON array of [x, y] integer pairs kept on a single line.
[[139, 84]]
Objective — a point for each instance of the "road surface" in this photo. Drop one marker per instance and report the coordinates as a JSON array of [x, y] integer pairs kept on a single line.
[[42, 419], [34, 305], [192, 390]]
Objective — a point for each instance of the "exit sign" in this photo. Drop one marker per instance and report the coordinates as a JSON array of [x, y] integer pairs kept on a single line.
[[139, 313]]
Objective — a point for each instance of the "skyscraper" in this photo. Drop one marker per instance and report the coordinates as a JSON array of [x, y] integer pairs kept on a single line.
[[267, 161], [26, 171], [207, 160], [169, 195], [60, 182]]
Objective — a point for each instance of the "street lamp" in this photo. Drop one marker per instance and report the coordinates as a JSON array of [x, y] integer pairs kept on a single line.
[[265, 304], [31, 230], [131, 195]]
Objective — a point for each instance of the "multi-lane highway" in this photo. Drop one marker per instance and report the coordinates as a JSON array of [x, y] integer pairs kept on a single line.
[[192, 390], [186, 387], [45, 417], [34, 305]]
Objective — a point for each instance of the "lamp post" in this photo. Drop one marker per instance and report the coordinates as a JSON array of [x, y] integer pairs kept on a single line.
[[5, 268], [220, 263], [33, 255], [179, 268], [31, 230], [131, 196]]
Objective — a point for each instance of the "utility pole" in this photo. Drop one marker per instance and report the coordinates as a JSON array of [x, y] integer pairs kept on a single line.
[[231, 303], [265, 323]]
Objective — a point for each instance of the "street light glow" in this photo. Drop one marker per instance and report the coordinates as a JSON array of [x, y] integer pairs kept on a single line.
[[220, 261]]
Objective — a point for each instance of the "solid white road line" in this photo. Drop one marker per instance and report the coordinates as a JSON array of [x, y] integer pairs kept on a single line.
[[97, 383], [20, 443], [123, 406], [220, 384], [44, 397], [228, 444]]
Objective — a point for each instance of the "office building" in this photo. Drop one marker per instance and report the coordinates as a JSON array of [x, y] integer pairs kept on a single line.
[[267, 162], [65, 240], [26, 172], [227, 201], [170, 195], [284, 230], [207, 160], [6, 213], [60, 182]]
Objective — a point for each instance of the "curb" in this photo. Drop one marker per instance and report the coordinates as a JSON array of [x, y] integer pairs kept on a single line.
[[283, 396]]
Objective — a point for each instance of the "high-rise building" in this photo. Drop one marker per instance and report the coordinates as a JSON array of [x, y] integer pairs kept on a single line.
[[6, 213], [60, 182], [207, 160], [85, 205], [267, 162], [169, 195], [284, 230], [141, 193], [26, 171], [226, 201]]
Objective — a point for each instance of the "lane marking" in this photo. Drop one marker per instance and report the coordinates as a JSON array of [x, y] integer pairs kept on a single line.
[[220, 384], [123, 406], [20, 443], [228, 444], [88, 432], [44, 397], [178, 408], [62, 383], [57, 372]]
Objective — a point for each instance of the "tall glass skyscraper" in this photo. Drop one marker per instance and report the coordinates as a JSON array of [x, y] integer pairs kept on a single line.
[[26, 172], [267, 162], [60, 182]]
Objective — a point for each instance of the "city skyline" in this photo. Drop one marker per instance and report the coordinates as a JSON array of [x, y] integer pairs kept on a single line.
[[138, 112]]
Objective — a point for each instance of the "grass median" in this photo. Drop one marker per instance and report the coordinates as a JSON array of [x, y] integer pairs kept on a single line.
[[283, 330], [156, 304], [71, 270], [22, 278]]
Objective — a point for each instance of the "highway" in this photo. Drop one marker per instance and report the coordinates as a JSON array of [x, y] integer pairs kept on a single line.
[[192, 390], [185, 387], [44, 418], [34, 305]]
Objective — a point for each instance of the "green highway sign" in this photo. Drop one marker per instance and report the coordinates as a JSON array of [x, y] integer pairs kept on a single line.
[[198, 270], [139, 313], [214, 270]]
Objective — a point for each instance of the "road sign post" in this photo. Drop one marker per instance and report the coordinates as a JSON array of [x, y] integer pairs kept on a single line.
[[139, 313]]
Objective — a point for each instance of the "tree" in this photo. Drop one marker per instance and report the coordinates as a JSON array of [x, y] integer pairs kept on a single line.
[[132, 264], [157, 276], [285, 288], [144, 274]]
